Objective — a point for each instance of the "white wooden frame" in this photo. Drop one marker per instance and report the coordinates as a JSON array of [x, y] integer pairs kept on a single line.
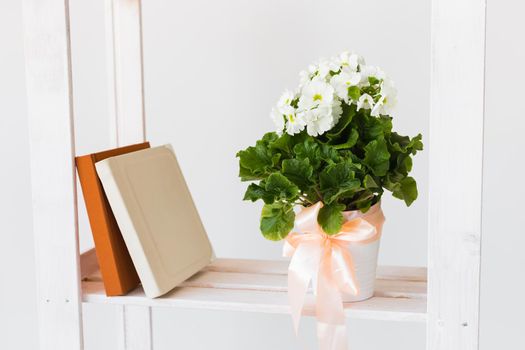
[[456, 142], [456, 154], [50, 111]]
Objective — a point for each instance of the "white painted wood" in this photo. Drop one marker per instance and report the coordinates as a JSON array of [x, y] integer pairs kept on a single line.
[[388, 288], [50, 111], [125, 71], [127, 125], [280, 267], [456, 145], [392, 281], [278, 283], [247, 285], [382, 308], [89, 264], [135, 327]]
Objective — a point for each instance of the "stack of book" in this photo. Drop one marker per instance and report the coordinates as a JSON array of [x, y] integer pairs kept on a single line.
[[145, 225]]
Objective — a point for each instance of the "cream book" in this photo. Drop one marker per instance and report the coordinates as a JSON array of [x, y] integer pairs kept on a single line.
[[157, 217]]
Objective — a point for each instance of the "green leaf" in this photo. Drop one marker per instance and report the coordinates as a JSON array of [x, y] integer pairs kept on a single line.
[[337, 179], [364, 201], [405, 144], [377, 157], [331, 218], [373, 80], [248, 175], [404, 163], [407, 190], [278, 185], [256, 161], [350, 142], [308, 149], [369, 182], [255, 192], [269, 137], [354, 92], [386, 124], [299, 171], [329, 154], [346, 118], [285, 143], [277, 220], [372, 128]]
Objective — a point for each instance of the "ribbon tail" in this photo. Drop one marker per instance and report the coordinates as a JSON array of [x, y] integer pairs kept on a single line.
[[331, 337], [297, 289], [303, 266], [331, 326], [343, 270]]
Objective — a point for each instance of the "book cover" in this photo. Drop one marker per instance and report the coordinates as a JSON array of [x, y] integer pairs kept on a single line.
[[157, 217], [118, 273]]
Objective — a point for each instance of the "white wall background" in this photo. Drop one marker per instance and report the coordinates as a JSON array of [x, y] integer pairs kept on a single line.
[[503, 261], [213, 71]]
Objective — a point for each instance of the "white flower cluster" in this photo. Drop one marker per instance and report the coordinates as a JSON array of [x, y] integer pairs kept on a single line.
[[317, 104]]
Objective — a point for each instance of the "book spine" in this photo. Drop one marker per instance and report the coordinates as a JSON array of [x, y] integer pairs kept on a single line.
[[93, 199]]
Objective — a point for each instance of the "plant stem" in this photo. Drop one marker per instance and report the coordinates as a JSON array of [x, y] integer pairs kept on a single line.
[[304, 199], [319, 194]]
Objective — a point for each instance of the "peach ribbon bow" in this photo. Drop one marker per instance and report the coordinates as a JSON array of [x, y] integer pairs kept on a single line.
[[325, 260]]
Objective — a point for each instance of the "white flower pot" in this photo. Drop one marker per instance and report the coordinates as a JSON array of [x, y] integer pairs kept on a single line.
[[365, 255]]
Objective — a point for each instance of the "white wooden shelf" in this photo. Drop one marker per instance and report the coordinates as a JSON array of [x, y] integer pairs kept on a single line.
[[260, 286], [454, 235]]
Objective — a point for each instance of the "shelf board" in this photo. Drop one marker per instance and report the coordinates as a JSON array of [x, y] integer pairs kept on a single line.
[[260, 286]]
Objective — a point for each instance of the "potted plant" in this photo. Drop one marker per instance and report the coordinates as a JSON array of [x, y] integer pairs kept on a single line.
[[331, 158]]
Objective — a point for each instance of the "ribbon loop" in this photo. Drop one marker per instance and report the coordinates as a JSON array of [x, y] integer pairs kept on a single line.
[[325, 260]]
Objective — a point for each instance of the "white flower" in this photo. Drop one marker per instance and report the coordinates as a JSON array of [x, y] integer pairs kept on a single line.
[[316, 93], [365, 101], [337, 111], [325, 67], [284, 107], [312, 69], [304, 78], [285, 100], [294, 121], [316, 105], [342, 81], [318, 121], [323, 118], [278, 120], [388, 99], [370, 71], [350, 61]]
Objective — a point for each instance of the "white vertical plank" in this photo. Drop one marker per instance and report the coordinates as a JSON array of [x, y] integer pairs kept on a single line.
[[125, 70], [127, 121], [135, 327], [50, 111], [456, 147]]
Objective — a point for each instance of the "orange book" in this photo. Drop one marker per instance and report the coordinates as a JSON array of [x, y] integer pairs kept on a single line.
[[118, 273]]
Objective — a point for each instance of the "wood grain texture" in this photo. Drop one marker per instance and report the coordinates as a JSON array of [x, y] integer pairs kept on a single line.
[[456, 151], [50, 112], [246, 285], [280, 267], [125, 71]]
